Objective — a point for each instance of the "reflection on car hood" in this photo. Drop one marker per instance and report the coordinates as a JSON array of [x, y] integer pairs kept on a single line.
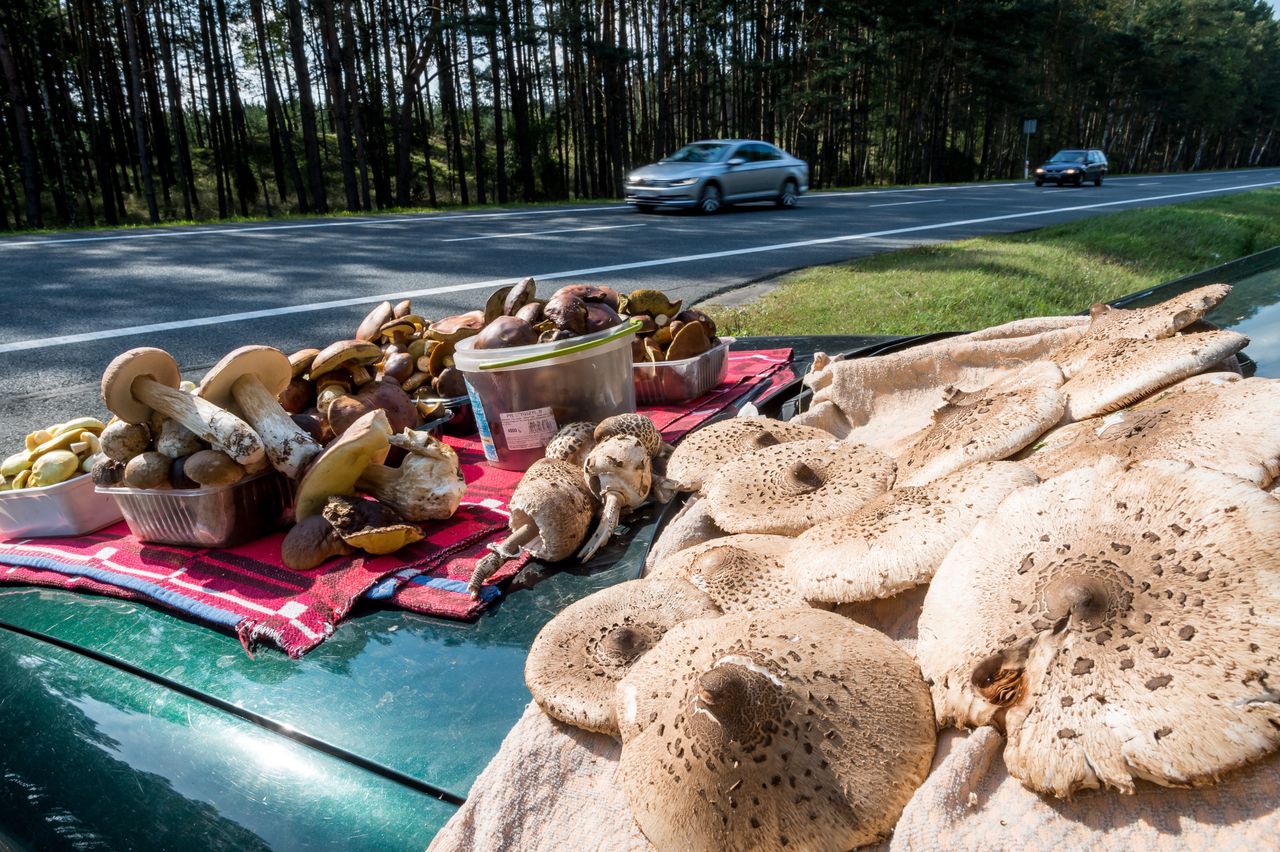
[[671, 171]]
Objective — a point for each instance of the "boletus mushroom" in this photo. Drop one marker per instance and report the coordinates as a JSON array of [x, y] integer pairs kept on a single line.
[[577, 659], [252, 377], [425, 487], [619, 473], [310, 543], [336, 470], [369, 525], [143, 381], [551, 510], [789, 728], [1117, 623]]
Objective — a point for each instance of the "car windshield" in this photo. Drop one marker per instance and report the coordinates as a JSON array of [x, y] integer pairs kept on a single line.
[[698, 152], [1068, 157]]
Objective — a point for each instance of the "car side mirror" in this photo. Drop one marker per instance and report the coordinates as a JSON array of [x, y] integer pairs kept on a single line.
[[736, 161]]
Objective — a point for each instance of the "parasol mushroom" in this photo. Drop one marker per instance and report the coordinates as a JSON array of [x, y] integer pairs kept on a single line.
[[789, 728], [1126, 371], [636, 425], [1108, 325], [1117, 624], [897, 540], [572, 443], [985, 425], [145, 380], [705, 451], [619, 474], [252, 377], [786, 489], [691, 525], [577, 659], [1231, 425], [741, 573], [551, 510]]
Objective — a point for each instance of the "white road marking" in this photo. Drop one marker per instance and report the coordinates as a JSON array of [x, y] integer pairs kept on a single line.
[[540, 233], [905, 203], [337, 223], [266, 313]]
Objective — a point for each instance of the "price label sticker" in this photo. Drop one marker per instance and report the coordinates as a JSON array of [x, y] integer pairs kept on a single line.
[[528, 430]]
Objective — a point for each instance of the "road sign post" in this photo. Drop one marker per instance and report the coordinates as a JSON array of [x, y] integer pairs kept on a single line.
[[1028, 128]]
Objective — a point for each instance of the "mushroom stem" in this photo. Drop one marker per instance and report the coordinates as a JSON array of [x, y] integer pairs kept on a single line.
[[613, 503], [507, 549], [219, 427], [288, 448]]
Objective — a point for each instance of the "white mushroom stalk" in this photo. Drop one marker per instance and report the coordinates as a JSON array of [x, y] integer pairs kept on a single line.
[[425, 487], [252, 377], [619, 474], [500, 553], [143, 380]]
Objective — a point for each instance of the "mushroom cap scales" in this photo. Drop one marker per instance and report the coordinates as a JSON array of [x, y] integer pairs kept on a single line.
[[701, 453], [553, 496], [785, 489], [897, 540], [742, 573], [577, 659], [1118, 623], [789, 728]]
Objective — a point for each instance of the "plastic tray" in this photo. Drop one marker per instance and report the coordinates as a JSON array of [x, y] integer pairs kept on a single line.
[[680, 381], [68, 508], [219, 516]]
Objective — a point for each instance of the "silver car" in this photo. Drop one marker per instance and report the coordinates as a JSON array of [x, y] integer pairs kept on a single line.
[[710, 174]]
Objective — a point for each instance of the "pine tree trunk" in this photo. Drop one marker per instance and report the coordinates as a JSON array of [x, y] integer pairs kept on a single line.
[[310, 138], [135, 99]]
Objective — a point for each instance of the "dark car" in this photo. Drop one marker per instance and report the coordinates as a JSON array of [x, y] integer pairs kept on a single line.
[[129, 727], [1073, 166]]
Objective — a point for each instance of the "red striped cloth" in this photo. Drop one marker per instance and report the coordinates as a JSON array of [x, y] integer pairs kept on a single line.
[[247, 589]]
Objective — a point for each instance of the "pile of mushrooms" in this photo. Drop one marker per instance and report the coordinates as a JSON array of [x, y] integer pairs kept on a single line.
[[666, 332], [1091, 536], [591, 471]]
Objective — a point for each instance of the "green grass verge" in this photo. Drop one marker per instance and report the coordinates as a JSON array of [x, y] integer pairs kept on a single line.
[[976, 283]]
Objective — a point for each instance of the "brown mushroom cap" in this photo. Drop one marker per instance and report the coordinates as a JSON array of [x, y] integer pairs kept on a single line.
[[1232, 426], [117, 381], [335, 471], [300, 361], [368, 328], [897, 540], [369, 525], [1118, 623], [578, 658], [986, 425], [270, 365], [310, 542], [786, 489], [553, 496], [637, 425], [692, 525], [788, 728], [703, 452], [1162, 320], [572, 443], [345, 353], [1127, 370], [741, 573], [211, 467]]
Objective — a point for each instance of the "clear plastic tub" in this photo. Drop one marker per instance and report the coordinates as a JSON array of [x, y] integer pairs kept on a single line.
[[522, 395], [68, 508], [680, 381], [217, 516]]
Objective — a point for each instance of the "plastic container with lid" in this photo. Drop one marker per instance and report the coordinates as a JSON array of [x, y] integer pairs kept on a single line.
[[522, 395], [67, 508], [213, 516], [663, 382]]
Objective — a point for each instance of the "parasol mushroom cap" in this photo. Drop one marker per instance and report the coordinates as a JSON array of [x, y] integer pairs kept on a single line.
[[336, 470], [785, 489], [897, 540], [1228, 425], [636, 425], [691, 525], [572, 443], [270, 365], [741, 573], [553, 496], [1117, 623], [789, 728], [705, 451], [118, 378], [577, 659], [985, 425], [1127, 370], [1108, 325]]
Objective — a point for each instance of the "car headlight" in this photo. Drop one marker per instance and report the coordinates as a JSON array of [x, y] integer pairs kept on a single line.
[[1071, 171], [683, 182], [1039, 171]]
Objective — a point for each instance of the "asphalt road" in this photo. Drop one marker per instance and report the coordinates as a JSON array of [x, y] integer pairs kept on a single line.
[[72, 302]]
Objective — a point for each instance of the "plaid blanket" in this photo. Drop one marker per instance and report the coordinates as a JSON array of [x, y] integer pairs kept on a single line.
[[246, 589]]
